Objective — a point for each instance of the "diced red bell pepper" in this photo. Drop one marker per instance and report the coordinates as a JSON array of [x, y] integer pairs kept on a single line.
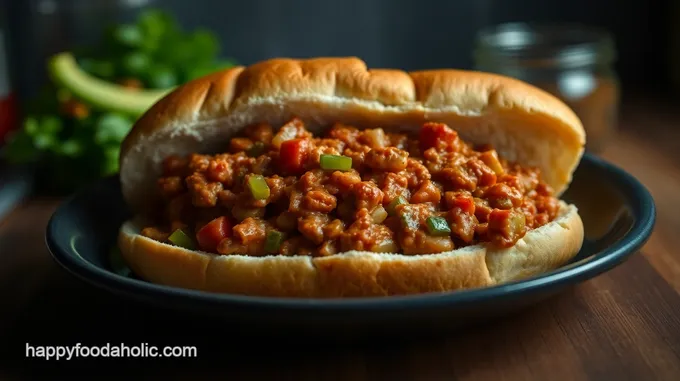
[[293, 155], [462, 200], [466, 204], [437, 135], [210, 235]]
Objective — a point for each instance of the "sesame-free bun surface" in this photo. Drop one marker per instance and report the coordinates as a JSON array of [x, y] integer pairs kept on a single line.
[[354, 273], [523, 123]]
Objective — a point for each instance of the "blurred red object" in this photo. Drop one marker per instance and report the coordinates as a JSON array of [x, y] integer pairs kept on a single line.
[[8, 115], [8, 104]]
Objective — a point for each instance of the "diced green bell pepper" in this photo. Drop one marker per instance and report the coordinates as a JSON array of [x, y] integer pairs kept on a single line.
[[335, 162], [437, 226]]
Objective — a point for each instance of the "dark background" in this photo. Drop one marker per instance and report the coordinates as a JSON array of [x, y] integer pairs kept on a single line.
[[408, 34], [621, 322]]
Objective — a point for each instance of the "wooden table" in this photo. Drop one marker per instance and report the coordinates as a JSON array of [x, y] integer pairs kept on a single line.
[[622, 325]]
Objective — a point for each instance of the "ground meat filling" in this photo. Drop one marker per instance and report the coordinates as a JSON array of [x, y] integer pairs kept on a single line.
[[285, 191]]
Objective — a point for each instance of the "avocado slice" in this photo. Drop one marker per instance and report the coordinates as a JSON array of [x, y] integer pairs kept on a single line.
[[65, 72]]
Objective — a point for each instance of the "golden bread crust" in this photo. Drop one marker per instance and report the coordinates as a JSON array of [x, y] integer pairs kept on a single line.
[[354, 274], [525, 124]]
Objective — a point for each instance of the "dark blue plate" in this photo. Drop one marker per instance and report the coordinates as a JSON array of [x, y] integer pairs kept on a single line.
[[617, 211]]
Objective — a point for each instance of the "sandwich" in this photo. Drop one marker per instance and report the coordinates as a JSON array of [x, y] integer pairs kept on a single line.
[[321, 178]]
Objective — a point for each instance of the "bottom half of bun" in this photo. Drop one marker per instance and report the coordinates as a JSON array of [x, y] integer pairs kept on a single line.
[[354, 274]]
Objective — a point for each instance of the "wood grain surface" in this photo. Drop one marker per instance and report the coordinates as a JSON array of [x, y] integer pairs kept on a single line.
[[621, 325]]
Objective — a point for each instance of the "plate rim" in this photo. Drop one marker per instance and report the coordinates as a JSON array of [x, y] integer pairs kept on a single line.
[[642, 206]]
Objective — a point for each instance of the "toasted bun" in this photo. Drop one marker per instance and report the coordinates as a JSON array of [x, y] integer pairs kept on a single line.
[[523, 123], [354, 274]]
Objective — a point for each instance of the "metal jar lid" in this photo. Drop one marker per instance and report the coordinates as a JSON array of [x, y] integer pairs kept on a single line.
[[544, 45]]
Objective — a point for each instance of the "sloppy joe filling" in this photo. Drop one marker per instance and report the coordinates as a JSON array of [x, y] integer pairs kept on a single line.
[[285, 191]]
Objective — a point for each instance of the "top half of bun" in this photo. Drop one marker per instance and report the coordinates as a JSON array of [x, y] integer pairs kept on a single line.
[[525, 124]]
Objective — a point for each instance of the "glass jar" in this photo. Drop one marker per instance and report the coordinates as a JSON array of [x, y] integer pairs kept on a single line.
[[572, 62]]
